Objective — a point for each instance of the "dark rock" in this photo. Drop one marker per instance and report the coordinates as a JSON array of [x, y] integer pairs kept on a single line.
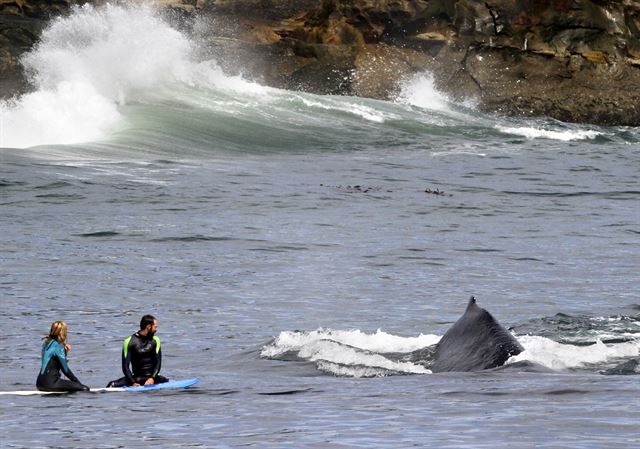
[[436, 192], [356, 188]]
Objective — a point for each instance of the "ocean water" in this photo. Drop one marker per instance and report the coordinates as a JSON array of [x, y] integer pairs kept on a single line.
[[297, 249]]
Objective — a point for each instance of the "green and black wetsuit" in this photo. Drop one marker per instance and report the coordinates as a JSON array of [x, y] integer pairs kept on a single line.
[[141, 359], [54, 360]]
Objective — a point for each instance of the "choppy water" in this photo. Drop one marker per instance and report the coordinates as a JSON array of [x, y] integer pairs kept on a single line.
[[294, 258]]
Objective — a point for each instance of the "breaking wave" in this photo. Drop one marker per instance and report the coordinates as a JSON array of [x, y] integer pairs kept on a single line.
[[120, 77]]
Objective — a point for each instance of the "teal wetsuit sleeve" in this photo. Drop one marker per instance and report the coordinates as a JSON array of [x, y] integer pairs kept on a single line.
[[62, 357], [126, 361], [158, 365]]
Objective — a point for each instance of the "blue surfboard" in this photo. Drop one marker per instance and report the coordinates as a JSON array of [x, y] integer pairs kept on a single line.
[[184, 383]]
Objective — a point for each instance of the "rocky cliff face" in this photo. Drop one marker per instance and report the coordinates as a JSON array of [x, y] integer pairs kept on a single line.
[[573, 60]]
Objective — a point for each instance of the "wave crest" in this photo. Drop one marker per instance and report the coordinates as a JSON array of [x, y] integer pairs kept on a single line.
[[89, 63], [350, 353]]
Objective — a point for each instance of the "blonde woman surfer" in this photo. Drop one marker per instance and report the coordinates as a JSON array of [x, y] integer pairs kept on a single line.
[[54, 360]]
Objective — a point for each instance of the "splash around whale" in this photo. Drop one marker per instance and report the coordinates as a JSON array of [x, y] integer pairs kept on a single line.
[[475, 342]]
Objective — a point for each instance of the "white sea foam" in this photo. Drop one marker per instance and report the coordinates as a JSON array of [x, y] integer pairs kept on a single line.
[[66, 113], [347, 105], [365, 371], [541, 133], [420, 91], [560, 356], [351, 353], [346, 356], [380, 341]]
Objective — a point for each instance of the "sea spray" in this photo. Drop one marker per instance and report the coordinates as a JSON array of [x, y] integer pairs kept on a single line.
[[92, 62], [66, 114], [560, 356], [350, 353], [420, 90], [379, 341], [541, 132], [114, 49]]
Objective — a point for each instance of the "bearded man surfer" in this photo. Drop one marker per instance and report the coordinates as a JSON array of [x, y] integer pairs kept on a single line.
[[141, 357]]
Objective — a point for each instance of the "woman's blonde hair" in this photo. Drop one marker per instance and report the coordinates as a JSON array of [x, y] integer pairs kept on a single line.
[[58, 332]]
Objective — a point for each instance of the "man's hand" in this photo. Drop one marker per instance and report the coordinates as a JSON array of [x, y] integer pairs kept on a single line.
[[135, 385], [149, 381]]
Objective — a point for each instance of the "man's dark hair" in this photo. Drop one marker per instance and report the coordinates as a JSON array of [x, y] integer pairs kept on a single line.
[[146, 320]]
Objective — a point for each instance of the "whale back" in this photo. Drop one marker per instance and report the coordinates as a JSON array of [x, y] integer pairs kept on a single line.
[[475, 342]]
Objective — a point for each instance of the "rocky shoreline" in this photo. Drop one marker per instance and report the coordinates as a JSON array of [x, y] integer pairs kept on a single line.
[[576, 61]]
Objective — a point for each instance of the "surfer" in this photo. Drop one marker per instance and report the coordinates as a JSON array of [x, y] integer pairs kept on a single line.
[[54, 359], [141, 357]]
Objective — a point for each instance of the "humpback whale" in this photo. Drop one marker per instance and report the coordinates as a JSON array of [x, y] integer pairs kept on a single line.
[[475, 342]]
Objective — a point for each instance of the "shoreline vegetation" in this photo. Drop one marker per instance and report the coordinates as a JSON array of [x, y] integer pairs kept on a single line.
[[576, 61]]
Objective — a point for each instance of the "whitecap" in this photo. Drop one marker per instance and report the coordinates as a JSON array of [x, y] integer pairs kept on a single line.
[[560, 356], [565, 135], [351, 353]]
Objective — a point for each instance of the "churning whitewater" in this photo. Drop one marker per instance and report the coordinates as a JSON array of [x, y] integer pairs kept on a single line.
[[358, 354]]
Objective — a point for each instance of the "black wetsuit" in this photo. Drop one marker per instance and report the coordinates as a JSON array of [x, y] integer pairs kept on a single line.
[[54, 360], [145, 357]]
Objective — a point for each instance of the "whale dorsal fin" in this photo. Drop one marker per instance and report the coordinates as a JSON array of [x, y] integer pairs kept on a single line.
[[475, 342]]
